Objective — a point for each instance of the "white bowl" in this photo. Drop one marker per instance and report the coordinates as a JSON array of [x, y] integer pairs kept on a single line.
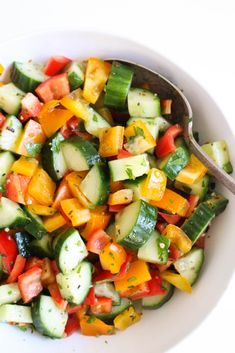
[[161, 329]]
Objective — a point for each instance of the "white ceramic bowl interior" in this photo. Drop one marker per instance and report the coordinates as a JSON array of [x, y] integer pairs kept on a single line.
[[161, 329]]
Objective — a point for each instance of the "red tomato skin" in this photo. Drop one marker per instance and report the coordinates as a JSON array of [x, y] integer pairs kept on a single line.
[[30, 283], [55, 64]]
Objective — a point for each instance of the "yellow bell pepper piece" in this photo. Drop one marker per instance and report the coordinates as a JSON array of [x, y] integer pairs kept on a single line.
[[1, 69], [25, 165], [32, 134], [75, 212], [54, 222], [111, 141], [42, 188], [173, 203], [76, 104], [99, 220], [137, 273], [112, 257], [154, 185], [52, 118], [193, 172], [92, 326], [97, 73], [29, 200], [42, 210], [121, 197], [178, 237], [177, 280], [127, 318], [139, 138], [74, 180]]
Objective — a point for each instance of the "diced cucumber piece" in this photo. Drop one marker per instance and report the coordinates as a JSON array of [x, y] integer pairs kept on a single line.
[[23, 243], [118, 85], [53, 159], [42, 247], [10, 133], [69, 250], [189, 266], [27, 76], [96, 185], [15, 313], [135, 224], [199, 220], [48, 318], [155, 250], [218, 151], [79, 154], [136, 186], [129, 168], [95, 122], [156, 301], [151, 124], [35, 227], [143, 103], [11, 214], [76, 74], [106, 289], [6, 161], [75, 285], [110, 230], [176, 161], [217, 203], [9, 293], [10, 98], [125, 303], [163, 124], [200, 188]]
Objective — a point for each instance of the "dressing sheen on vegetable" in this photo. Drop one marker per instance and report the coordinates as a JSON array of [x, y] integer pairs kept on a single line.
[[102, 204]]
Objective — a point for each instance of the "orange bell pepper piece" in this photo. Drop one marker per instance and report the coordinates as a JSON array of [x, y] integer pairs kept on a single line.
[[154, 185], [178, 237], [138, 131], [177, 280], [32, 135], [97, 73], [121, 197], [111, 141], [52, 118], [193, 172], [137, 273], [115, 185], [173, 203], [98, 220], [48, 275], [42, 188], [29, 200], [25, 166], [112, 257], [42, 210], [127, 318], [62, 193], [91, 326], [75, 212], [75, 103], [54, 222], [74, 180]]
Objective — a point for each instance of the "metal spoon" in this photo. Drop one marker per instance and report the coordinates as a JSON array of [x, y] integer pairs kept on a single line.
[[182, 113]]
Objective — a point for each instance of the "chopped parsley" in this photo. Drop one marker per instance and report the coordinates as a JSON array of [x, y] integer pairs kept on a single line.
[[130, 173], [139, 131], [131, 279], [33, 149], [91, 319], [94, 118]]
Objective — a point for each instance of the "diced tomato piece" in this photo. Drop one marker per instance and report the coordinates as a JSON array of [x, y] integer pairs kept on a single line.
[[17, 270], [166, 143], [174, 252], [55, 64], [200, 243], [56, 296], [123, 154], [72, 325], [73, 309], [193, 201], [0, 196], [162, 268], [33, 261], [97, 241], [30, 107], [116, 208], [90, 299], [170, 218], [54, 267], [110, 277], [17, 187], [8, 250], [155, 285], [2, 120], [55, 87], [160, 226], [30, 283], [72, 128], [136, 292], [102, 305]]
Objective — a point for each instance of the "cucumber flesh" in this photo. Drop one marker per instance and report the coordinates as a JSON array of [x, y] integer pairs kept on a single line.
[[15, 313], [48, 318], [6, 161], [9, 293], [156, 301], [136, 186], [200, 188], [155, 250], [95, 122], [35, 227], [10, 133], [189, 266], [217, 203], [12, 215], [10, 98], [143, 103], [27, 76], [107, 290], [218, 151], [76, 74]]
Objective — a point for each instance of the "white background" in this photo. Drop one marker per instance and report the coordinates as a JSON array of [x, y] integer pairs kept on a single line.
[[198, 36]]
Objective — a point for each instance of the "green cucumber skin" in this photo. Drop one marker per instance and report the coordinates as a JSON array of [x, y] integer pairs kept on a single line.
[[161, 299], [105, 182], [116, 310], [200, 188], [22, 81], [23, 243], [217, 203], [42, 247], [176, 162], [20, 221], [143, 227], [197, 223], [8, 93], [35, 227], [118, 85]]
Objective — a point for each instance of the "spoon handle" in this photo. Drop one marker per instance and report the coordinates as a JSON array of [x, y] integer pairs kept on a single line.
[[217, 172]]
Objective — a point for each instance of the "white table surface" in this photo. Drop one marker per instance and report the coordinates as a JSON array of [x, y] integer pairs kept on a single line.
[[198, 36]]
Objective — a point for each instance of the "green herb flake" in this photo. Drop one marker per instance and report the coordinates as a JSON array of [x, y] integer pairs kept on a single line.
[[139, 131], [9, 292], [130, 173], [131, 279], [91, 319], [111, 255], [94, 118], [33, 149]]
